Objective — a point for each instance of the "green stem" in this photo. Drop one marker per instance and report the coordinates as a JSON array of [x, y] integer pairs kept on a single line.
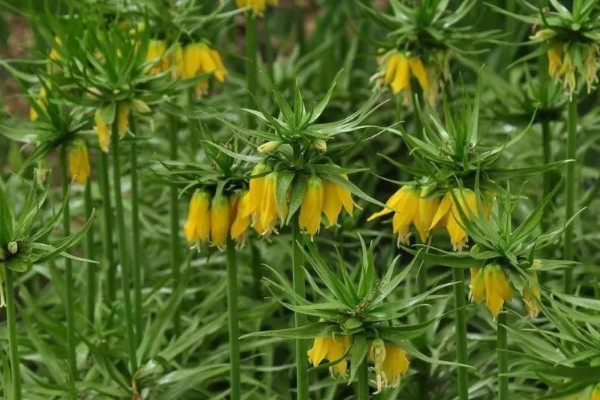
[[123, 254], [234, 332], [571, 192], [69, 298], [174, 222], [363, 381], [460, 321], [299, 319], [502, 358], [90, 254], [11, 320], [547, 153], [251, 57], [107, 228], [136, 261]]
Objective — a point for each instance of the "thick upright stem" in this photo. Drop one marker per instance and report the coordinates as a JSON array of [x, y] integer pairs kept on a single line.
[[234, 332], [251, 57], [69, 297], [90, 254], [363, 381], [571, 186], [11, 320], [174, 222], [421, 288], [107, 228], [502, 358], [123, 253], [460, 322], [136, 254], [299, 319]]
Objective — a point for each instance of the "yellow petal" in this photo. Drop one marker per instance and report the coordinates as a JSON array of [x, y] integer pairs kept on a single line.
[[103, 132], [319, 350], [332, 205], [441, 215], [402, 79], [393, 204], [390, 69], [219, 220], [79, 162], [477, 285], [418, 71], [312, 206]]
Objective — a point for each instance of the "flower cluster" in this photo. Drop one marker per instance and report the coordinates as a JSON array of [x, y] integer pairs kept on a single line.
[[187, 62], [216, 218], [321, 196], [562, 65], [389, 360], [427, 212]]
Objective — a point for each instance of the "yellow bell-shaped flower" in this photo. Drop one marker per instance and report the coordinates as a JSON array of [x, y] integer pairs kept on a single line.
[[312, 206], [335, 197], [333, 349], [241, 220], [103, 131], [197, 228], [220, 220], [79, 162]]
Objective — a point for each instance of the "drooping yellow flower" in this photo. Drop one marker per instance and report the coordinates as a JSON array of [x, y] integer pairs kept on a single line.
[[258, 6], [199, 58], [197, 228], [311, 207], [490, 284], [397, 70], [555, 60], [335, 197], [590, 65], [191, 60], [79, 162], [103, 131], [497, 289], [122, 119], [177, 61], [220, 220], [427, 208], [40, 102], [268, 214], [241, 220], [405, 206], [596, 393], [390, 364], [417, 69], [531, 295], [477, 286], [449, 215], [257, 187], [157, 54], [332, 349]]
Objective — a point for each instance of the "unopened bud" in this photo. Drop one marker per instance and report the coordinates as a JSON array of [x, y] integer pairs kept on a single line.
[[13, 247], [377, 353], [41, 174], [269, 147], [543, 34], [140, 107], [320, 145]]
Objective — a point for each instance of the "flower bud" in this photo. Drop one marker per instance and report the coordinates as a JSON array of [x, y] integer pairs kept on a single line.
[[269, 147], [140, 107], [320, 145], [543, 34], [13, 247]]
